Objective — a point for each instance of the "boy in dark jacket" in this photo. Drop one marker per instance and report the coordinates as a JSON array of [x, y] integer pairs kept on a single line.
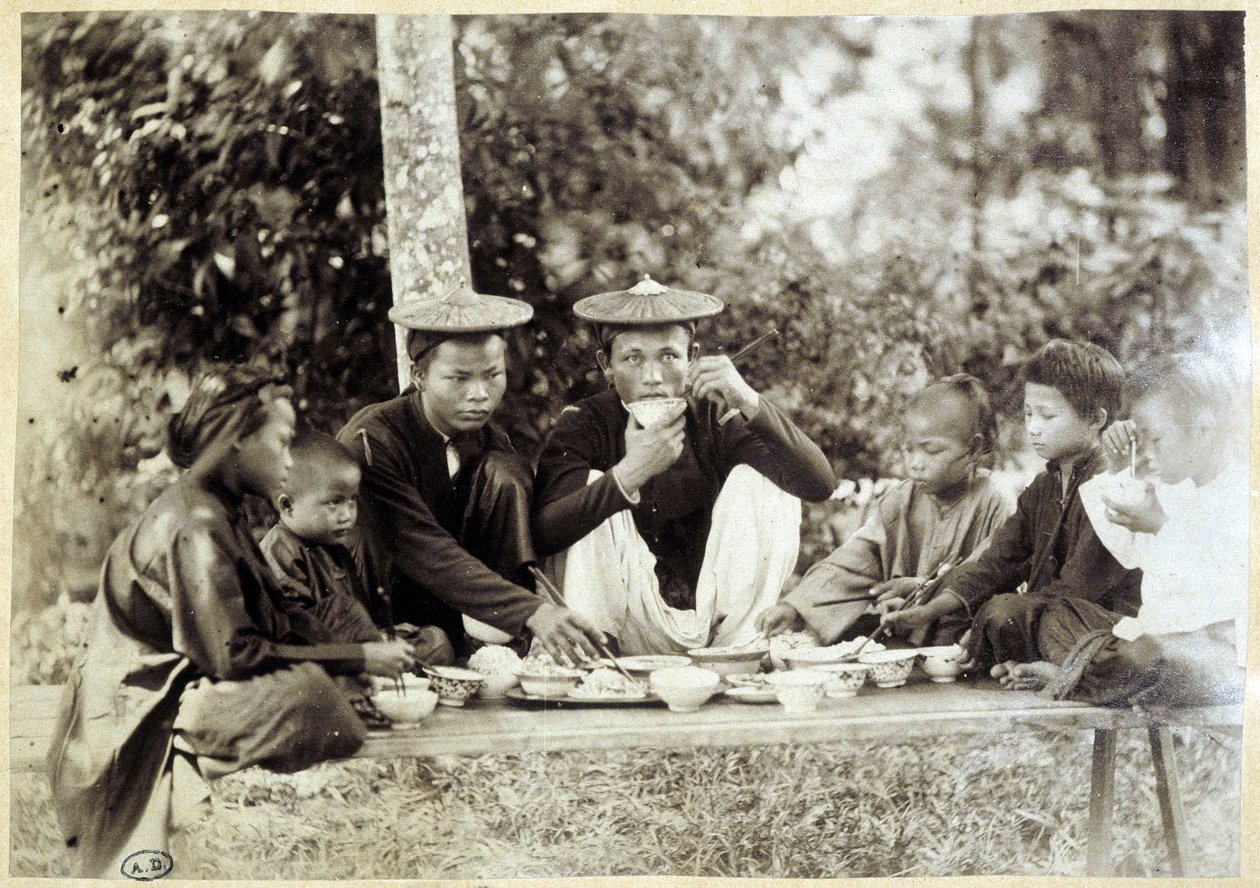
[[1072, 392]]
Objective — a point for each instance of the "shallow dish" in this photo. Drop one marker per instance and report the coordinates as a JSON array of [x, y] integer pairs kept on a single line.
[[753, 695], [760, 680], [656, 411], [454, 685], [730, 660], [553, 682], [652, 662]]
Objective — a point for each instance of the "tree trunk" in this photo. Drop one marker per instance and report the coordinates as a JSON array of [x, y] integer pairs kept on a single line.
[[1205, 146], [424, 197]]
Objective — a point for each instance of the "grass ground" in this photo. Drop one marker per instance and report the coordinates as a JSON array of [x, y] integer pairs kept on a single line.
[[991, 804]]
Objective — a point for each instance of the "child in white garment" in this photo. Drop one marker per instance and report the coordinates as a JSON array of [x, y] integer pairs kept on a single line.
[[1189, 535]]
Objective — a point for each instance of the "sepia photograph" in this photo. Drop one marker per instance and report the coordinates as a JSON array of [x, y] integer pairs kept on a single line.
[[623, 444]]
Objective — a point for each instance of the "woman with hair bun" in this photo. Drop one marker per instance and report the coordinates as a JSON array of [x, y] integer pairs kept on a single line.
[[189, 661]]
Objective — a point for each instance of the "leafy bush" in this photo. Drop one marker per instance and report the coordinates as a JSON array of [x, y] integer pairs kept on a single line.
[[219, 177]]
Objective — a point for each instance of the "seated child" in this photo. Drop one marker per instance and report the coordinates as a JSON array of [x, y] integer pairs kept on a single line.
[[310, 549], [317, 554], [1071, 393], [1189, 535], [188, 657], [943, 513]]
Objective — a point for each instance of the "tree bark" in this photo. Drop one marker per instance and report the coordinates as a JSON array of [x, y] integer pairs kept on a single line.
[[424, 198]]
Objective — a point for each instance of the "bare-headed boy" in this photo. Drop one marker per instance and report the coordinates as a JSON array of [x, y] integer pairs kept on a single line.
[[1072, 391]]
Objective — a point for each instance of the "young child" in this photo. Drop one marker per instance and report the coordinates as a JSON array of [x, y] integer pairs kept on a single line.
[[327, 578], [1189, 535], [942, 513], [188, 654], [1072, 392], [311, 549]]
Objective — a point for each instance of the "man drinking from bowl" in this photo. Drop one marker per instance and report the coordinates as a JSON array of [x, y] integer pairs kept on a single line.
[[671, 502]]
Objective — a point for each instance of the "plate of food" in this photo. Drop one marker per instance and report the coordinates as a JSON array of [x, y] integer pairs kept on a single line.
[[757, 680], [747, 694], [602, 687]]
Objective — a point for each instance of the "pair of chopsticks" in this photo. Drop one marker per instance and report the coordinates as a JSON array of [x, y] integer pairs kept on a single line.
[[400, 686], [734, 411], [924, 589], [557, 599]]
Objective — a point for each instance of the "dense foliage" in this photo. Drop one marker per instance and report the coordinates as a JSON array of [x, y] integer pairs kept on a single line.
[[862, 185]]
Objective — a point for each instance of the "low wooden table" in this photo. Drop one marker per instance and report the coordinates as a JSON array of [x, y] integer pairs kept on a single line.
[[916, 710]]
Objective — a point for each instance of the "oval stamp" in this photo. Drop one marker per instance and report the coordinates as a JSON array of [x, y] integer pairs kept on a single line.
[[145, 866]]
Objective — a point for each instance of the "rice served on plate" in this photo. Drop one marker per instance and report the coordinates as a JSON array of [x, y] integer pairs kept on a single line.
[[608, 684]]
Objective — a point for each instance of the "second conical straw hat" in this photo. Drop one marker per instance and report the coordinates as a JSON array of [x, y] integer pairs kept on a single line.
[[647, 303], [461, 310]]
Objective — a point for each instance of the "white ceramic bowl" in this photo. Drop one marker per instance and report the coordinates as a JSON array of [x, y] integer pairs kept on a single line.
[[657, 411], [552, 682], [409, 682], [497, 684], [405, 711], [846, 678], [685, 688], [730, 660], [890, 669], [454, 685], [799, 691]]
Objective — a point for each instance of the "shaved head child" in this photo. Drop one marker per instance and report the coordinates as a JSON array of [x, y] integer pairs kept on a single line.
[[1072, 392], [942, 513]]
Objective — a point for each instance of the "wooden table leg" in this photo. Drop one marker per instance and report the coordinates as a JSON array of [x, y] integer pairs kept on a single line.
[[1169, 793], [1102, 791]]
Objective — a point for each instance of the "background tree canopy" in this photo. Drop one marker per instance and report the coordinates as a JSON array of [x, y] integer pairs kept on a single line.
[[900, 197]]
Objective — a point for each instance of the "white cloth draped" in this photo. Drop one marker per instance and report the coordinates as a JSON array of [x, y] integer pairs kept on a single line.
[[609, 576]]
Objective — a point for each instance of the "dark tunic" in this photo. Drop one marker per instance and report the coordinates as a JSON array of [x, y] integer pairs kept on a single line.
[[676, 506], [325, 587], [184, 594], [1050, 544], [442, 555]]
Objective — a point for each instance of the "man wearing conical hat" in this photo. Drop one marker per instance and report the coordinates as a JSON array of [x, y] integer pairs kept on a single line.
[[670, 504], [445, 496]]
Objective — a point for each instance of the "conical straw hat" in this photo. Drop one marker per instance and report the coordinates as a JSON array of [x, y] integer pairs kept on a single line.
[[647, 303], [461, 310]]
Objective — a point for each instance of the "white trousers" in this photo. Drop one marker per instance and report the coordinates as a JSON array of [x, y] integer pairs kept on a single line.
[[609, 576]]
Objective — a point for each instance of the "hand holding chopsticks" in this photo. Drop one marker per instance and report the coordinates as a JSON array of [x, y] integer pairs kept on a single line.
[[921, 594], [553, 594], [719, 380]]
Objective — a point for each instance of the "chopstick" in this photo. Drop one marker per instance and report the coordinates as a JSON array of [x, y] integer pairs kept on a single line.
[[1132, 456], [734, 411], [928, 585], [557, 599], [400, 686]]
